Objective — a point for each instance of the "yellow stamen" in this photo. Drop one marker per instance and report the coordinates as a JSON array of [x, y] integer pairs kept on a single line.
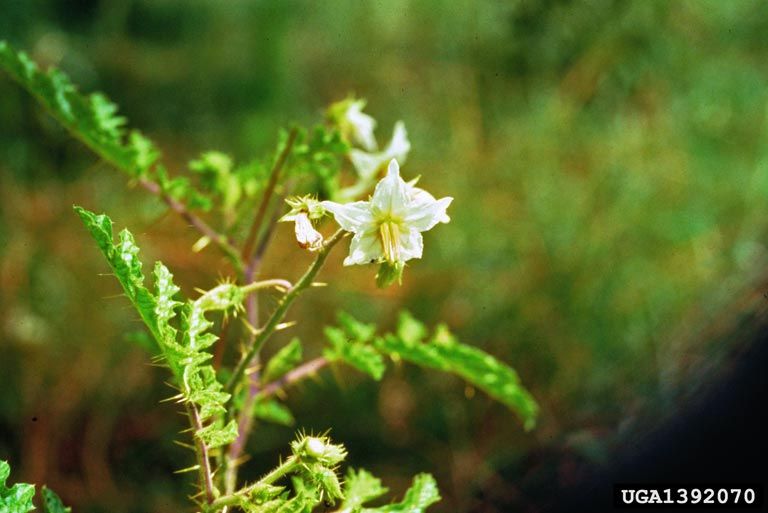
[[390, 241]]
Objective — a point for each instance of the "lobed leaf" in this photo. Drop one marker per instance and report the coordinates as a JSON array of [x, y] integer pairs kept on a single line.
[[360, 487], [18, 498], [445, 353], [422, 494], [360, 355], [93, 119]]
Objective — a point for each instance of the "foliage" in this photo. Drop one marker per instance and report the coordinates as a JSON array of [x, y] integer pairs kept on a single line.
[[184, 333], [18, 498]]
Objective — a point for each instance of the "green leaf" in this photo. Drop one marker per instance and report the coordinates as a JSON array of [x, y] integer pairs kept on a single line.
[[92, 119], [188, 358], [360, 355], [360, 487], [214, 435], [16, 499], [422, 494], [52, 503], [283, 361], [271, 410], [355, 329], [444, 352]]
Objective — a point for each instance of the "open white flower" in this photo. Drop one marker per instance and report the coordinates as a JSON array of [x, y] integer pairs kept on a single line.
[[388, 227], [368, 164]]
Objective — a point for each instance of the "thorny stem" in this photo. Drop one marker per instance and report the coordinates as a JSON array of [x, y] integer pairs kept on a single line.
[[201, 452], [274, 175], [297, 374], [288, 466], [279, 313]]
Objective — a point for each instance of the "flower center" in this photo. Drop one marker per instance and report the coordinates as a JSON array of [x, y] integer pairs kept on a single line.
[[390, 240]]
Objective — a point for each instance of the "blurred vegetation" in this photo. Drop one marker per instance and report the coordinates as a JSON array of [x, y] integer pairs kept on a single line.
[[609, 168]]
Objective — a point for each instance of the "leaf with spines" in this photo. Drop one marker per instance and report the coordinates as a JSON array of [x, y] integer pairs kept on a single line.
[[17, 498], [187, 359]]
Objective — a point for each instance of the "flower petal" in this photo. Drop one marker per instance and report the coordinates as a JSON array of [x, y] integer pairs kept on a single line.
[[353, 217], [423, 216], [367, 164], [399, 145], [422, 199], [365, 248], [390, 198], [411, 245], [362, 125]]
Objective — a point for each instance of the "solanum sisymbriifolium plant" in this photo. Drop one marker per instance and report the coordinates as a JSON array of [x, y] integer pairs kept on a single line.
[[339, 189]]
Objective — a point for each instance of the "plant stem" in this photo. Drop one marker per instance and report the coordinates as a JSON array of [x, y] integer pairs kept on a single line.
[[304, 370], [279, 313], [201, 452], [265, 284], [273, 178], [286, 467], [200, 225]]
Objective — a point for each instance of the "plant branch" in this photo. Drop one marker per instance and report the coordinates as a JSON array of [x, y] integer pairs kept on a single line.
[[279, 313], [201, 451], [304, 370], [200, 225], [273, 178]]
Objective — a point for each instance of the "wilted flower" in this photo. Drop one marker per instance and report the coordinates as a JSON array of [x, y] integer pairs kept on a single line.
[[388, 227], [303, 211]]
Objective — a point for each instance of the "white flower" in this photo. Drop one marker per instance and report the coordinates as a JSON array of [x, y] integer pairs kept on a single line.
[[361, 125], [368, 164], [388, 227]]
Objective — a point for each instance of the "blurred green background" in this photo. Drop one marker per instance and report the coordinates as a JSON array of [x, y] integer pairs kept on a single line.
[[609, 168]]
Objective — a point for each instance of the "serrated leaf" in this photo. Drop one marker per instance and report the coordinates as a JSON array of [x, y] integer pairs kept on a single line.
[[444, 352], [356, 330], [17, 498], [283, 361], [52, 503], [187, 359], [360, 487], [422, 494], [362, 356], [271, 410], [214, 435], [92, 119], [409, 329]]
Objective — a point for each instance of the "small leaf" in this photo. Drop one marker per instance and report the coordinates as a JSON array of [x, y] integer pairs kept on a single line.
[[422, 494], [409, 329], [359, 355], [283, 361], [271, 410], [360, 487], [52, 503], [356, 330], [215, 436], [16, 499]]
